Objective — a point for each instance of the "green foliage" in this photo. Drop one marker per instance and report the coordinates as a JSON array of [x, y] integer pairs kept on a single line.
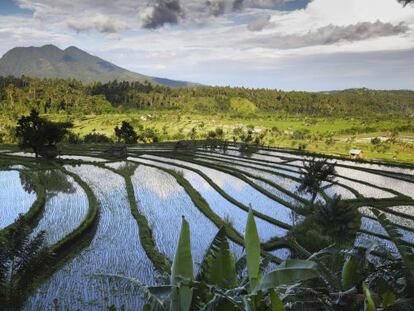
[[242, 105], [219, 266], [310, 235], [21, 260], [252, 243], [313, 174], [349, 272], [72, 138], [369, 302], [56, 96], [338, 220], [406, 252], [96, 138], [288, 273], [126, 133], [276, 303], [182, 271], [39, 134], [376, 141]]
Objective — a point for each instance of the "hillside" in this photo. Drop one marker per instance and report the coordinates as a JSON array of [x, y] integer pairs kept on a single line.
[[72, 63], [69, 96]]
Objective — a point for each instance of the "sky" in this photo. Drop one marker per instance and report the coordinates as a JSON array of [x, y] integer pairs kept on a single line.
[[309, 45]]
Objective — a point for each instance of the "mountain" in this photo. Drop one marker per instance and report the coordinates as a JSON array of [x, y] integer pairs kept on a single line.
[[72, 63]]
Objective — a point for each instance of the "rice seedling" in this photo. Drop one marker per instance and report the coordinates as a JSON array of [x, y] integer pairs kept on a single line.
[[117, 165], [365, 190], [281, 168], [333, 190], [409, 223], [408, 209], [163, 202], [401, 186], [380, 168], [374, 226], [23, 154], [240, 190], [286, 183], [241, 165], [14, 199], [81, 158], [115, 249], [369, 241], [64, 211], [223, 208]]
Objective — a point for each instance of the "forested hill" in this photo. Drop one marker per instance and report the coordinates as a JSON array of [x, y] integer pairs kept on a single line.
[[19, 95], [51, 62]]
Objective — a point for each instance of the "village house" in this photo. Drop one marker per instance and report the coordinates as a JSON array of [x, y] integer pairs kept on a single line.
[[356, 154]]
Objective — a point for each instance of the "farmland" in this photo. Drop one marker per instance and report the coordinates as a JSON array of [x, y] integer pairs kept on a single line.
[[104, 216], [329, 135]]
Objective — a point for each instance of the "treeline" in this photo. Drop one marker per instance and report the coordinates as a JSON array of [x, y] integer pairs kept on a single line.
[[55, 95]]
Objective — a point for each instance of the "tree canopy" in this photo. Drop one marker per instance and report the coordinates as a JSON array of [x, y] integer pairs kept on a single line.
[[39, 134], [20, 95]]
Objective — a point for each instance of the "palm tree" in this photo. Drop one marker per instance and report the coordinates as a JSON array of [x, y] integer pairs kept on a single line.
[[338, 220], [313, 174], [21, 259]]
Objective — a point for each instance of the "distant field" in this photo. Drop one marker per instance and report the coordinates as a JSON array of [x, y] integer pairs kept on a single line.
[[324, 135]]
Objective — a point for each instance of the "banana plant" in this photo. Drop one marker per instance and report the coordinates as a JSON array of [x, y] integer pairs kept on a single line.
[[218, 286], [287, 273]]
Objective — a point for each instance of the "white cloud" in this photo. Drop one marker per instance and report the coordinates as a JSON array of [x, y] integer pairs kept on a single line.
[[238, 44]]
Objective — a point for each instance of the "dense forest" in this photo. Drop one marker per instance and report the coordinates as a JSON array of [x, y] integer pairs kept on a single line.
[[19, 95]]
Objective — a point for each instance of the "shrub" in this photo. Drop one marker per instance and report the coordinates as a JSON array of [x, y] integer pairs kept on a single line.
[[126, 133], [96, 138]]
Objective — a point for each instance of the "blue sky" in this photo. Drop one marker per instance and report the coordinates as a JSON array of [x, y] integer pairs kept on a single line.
[[283, 44], [10, 7]]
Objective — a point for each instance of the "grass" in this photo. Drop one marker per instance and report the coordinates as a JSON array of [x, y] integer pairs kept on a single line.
[[175, 125]]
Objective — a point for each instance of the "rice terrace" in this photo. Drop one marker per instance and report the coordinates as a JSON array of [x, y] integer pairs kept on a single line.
[[103, 216], [207, 155]]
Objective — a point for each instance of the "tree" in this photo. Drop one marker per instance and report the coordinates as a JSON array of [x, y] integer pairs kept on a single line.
[[313, 174], [21, 260], [96, 138], [338, 220], [126, 133], [40, 134]]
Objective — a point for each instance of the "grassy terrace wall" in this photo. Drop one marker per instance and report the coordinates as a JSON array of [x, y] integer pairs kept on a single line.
[[226, 196], [158, 259], [204, 207], [360, 201], [80, 238], [35, 212], [73, 243], [243, 162]]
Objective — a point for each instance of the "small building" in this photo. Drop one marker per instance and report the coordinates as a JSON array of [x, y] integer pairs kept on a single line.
[[356, 154], [182, 145], [116, 152]]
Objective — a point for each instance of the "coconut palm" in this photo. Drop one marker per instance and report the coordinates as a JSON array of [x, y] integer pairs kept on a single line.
[[313, 174], [339, 220]]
